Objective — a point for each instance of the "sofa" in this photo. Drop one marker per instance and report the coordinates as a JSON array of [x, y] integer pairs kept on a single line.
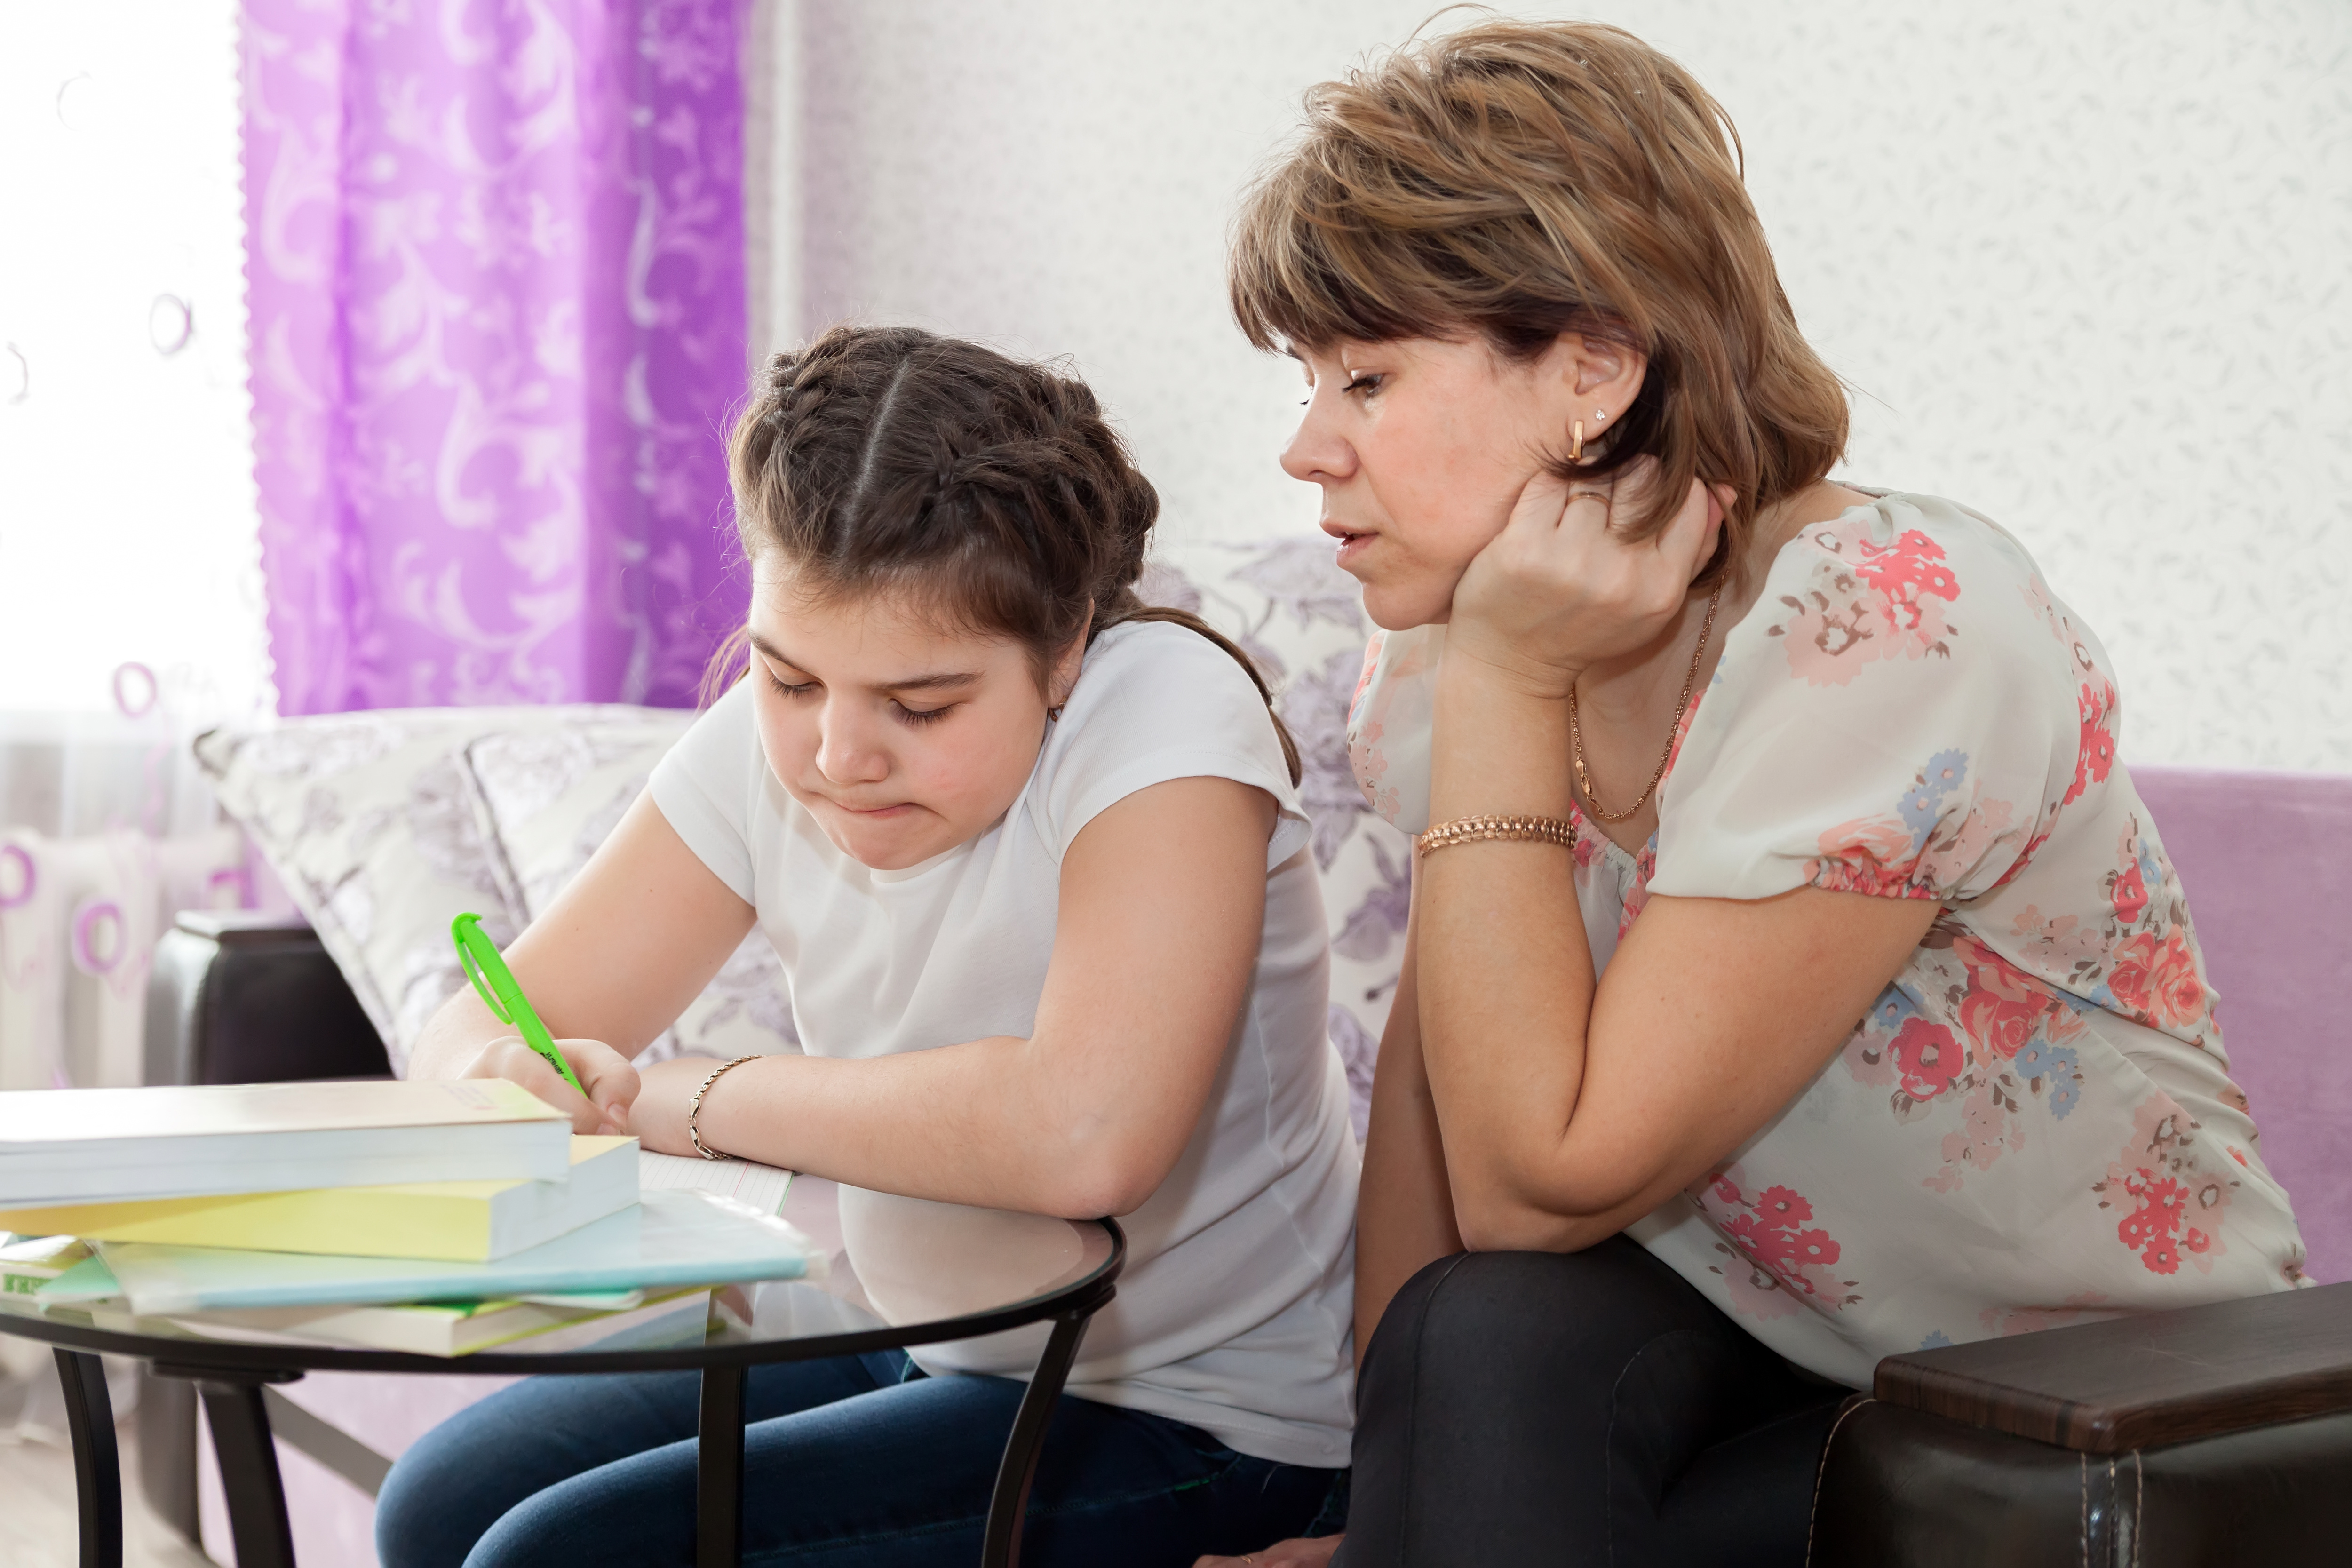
[[382, 826]]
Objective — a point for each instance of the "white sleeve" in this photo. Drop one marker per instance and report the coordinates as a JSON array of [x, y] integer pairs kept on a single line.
[[708, 784], [1154, 702]]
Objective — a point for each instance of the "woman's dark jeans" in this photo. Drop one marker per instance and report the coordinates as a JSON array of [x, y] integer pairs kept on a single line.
[[1585, 1408], [857, 1460]]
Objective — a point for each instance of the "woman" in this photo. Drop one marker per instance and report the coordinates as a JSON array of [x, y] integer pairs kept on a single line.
[[1710, 758]]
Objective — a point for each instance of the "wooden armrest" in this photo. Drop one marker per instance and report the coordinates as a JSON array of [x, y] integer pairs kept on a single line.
[[2143, 1380]]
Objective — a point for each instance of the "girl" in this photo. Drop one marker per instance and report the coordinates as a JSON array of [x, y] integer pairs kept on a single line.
[[1793, 975], [1031, 855]]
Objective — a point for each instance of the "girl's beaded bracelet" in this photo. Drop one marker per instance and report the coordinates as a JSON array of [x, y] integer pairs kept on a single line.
[[1468, 829]]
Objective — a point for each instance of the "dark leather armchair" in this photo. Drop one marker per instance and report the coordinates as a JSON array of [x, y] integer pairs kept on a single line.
[[2215, 1435]]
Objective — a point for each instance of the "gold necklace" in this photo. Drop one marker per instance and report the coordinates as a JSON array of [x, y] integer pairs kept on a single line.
[[1576, 732]]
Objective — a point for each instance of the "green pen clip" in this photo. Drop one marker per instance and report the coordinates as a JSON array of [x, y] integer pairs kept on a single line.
[[495, 983]]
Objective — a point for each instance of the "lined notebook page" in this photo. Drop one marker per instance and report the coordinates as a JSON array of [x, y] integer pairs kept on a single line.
[[745, 1181]]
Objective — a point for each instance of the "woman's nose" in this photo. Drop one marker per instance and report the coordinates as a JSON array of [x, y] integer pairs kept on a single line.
[[1316, 453]]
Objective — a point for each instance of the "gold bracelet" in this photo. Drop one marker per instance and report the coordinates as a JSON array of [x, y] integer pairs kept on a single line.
[[1468, 829], [694, 1107]]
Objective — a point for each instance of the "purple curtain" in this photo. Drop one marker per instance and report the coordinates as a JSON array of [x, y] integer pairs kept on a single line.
[[494, 269]]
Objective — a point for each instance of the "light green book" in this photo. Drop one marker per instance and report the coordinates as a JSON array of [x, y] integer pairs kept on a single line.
[[461, 1328], [28, 1263]]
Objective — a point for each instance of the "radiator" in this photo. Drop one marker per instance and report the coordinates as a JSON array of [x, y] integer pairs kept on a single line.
[[79, 922]]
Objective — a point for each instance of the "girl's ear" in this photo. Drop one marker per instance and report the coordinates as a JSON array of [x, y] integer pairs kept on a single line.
[[1064, 678]]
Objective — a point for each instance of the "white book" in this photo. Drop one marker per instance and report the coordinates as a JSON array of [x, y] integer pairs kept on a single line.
[[112, 1146]]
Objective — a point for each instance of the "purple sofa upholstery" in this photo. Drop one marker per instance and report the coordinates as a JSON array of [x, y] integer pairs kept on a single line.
[[2266, 859]]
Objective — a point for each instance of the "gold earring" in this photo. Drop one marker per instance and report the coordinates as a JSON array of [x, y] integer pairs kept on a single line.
[[1576, 442]]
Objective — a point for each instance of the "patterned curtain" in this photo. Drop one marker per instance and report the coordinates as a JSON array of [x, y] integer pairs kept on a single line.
[[494, 269]]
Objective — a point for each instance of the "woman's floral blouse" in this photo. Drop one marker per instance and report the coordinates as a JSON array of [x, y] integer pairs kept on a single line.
[[2036, 1123]]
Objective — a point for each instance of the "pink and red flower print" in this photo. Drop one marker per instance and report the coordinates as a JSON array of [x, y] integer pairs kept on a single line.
[[1867, 602], [2153, 1228], [2095, 756], [1771, 1230], [2130, 894], [2003, 1007], [2155, 980], [1927, 1058], [1912, 566], [2172, 1209]]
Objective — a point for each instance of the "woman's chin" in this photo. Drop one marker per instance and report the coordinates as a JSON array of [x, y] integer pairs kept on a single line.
[[1401, 606]]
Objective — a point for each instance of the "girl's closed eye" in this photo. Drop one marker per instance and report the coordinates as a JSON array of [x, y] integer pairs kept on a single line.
[[791, 688], [923, 715]]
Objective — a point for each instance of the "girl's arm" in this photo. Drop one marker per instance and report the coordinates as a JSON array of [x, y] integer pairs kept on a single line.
[[611, 964], [1162, 899], [1404, 1208]]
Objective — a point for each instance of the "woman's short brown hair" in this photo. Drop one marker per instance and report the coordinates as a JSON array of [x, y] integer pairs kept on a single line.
[[1521, 180]]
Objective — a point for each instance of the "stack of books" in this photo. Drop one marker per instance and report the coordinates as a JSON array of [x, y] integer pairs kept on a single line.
[[434, 1217]]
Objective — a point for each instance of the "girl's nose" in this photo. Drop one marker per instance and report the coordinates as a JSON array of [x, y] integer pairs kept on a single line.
[[1316, 453], [847, 752]]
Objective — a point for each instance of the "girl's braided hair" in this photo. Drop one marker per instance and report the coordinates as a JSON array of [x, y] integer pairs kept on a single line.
[[991, 492]]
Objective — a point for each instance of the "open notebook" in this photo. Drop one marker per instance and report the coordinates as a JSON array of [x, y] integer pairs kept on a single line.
[[761, 1187]]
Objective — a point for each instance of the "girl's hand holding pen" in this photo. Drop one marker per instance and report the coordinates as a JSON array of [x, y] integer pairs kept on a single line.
[[607, 1076]]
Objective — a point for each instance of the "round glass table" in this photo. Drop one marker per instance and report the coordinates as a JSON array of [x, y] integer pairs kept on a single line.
[[926, 1273]]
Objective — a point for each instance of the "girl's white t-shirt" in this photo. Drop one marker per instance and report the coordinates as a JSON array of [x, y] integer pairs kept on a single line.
[[1233, 1313]]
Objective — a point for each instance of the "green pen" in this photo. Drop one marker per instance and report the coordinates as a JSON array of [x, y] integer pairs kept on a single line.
[[494, 982]]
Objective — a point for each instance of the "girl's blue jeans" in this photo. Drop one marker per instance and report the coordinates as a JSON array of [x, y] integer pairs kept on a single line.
[[852, 1462]]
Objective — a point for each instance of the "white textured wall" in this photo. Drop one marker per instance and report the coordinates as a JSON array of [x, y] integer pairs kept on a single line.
[[2088, 267]]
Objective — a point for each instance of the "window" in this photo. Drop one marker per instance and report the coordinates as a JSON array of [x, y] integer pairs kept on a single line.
[[127, 510]]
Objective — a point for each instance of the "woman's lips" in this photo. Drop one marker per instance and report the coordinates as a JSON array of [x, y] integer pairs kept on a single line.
[[1351, 543]]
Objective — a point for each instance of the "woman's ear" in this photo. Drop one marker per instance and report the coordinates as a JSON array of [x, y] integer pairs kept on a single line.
[[1601, 379]]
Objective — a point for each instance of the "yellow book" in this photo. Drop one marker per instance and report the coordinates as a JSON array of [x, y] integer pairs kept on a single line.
[[460, 1222]]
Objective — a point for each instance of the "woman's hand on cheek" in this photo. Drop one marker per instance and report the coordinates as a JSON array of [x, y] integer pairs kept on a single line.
[[1559, 588], [659, 1120]]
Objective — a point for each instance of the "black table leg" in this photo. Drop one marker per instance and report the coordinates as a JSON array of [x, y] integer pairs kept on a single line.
[[1018, 1470], [248, 1466], [718, 1471], [98, 1463]]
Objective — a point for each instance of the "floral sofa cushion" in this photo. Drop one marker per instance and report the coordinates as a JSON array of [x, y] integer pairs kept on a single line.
[[368, 820], [546, 798], [383, 831]]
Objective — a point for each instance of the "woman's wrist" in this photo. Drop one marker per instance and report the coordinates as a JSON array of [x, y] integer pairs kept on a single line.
[[1478, 660], [1496, 747]]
